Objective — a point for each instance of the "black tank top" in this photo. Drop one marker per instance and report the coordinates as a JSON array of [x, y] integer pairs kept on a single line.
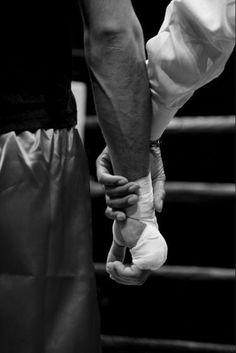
[[35, 65]]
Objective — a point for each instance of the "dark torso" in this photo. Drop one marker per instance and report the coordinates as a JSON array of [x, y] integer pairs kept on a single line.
[[35, 69]]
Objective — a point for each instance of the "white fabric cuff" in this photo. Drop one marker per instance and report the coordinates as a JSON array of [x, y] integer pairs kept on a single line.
[[161, 117], [150, 252]]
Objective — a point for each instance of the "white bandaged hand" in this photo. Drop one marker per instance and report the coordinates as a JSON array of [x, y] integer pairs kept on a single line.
[[139, 233]]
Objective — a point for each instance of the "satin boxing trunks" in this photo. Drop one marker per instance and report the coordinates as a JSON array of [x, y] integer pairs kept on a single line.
[[47, 288]]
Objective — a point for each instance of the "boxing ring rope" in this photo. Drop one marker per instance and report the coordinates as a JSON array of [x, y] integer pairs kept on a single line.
[[193, 124], [213, 124], [201, 124], [197, 191], [184, 272], [183, 189], [152, 345]]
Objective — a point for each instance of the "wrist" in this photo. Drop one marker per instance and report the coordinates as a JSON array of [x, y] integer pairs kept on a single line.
[[154, 147], [144, 208]]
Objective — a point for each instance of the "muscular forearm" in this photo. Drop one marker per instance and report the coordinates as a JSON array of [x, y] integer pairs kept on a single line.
[[116, 59]]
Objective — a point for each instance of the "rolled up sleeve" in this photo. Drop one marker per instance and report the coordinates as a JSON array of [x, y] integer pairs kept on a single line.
[[190, 49]]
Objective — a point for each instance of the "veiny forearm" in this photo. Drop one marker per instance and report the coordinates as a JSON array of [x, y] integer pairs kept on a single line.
[[116, 60], [123, 107]]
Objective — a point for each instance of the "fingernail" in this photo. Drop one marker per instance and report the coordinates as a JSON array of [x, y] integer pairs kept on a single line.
[[120, 218], [160, 206], [133, 188], [132, 200], [121, 182]]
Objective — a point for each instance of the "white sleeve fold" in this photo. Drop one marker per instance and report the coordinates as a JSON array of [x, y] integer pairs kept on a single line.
[[190, 49]]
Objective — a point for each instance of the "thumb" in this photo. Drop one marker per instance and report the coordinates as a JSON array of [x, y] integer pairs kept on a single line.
[[116, 252], [159, 194], [105, 172], [118, 248], [158, 178]]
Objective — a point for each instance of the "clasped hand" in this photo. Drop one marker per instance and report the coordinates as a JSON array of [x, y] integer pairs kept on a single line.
[[136, 231]]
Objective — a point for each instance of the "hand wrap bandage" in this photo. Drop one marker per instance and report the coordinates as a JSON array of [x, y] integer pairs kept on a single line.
[[150, 250]]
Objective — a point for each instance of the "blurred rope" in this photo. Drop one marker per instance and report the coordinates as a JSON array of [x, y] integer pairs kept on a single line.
[[183, 188], [152, 345], [184, 272], [189, 124]]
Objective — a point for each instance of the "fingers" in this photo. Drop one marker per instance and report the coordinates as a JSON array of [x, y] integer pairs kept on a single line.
[[104, 170], [104, 177], [120, 194], [122, 202], [158, 179], [159, 194], [156, 164], [120, 198], [124, 190], [115, 214], [116, 253], [127, 274]]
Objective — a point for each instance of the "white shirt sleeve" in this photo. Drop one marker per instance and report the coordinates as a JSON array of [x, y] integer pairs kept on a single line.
[[190, 49]]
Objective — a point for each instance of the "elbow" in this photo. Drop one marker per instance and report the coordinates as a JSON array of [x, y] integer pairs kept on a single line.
[[111, 37], [115, 30], [111, 31], [106, 33]]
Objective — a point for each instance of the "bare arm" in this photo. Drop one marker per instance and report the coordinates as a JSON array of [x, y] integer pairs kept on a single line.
[[114, 50]]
